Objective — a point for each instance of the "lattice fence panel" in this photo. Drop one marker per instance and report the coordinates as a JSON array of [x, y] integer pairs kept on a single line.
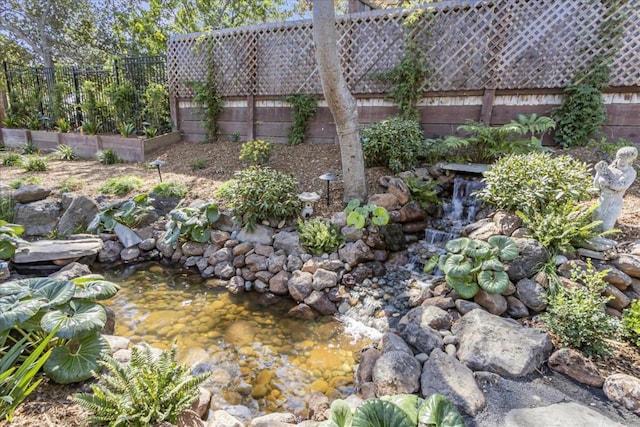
[[506, 44]]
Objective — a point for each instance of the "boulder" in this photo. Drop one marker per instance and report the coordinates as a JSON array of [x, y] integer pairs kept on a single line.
[[39, 218], [71, 271], [260, 234], [498, 345], [445, 375], [618, 299], [324, 279], [574, 365], [30, 193], [628, 263], [278, 284], [399, 188], [484, 231], [423, 338], [515, 308], [51, 250], [288, 241], [431, 316], [558, 415], [300, 285], [506, 222], [354, 253], [396, 372], [617, 278], [494, 303], [302, 311], [78, 215], [385, 200], [351, 234], [532, 254], [368, 360], [110, 252], [625, 390], [127, 236], [412, 212], [392, 342], [531, 294], [320, 302]]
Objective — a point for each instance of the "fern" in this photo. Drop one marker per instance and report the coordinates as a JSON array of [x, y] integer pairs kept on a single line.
[[145, 392]]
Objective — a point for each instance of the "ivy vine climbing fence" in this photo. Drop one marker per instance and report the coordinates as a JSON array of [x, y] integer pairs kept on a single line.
[[469, 45]]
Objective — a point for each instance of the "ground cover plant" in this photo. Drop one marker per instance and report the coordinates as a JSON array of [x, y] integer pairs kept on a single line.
[[108, 157], [170, 189], [121, 186]]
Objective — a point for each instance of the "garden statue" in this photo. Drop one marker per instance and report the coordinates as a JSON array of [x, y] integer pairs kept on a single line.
[[308, 201], [612, 181]]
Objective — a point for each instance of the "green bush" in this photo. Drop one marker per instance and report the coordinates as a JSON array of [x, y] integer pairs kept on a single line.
[[12, 159], [29, 148], [170, 189], [319, 236], [126, 129], [156, 105], [199, 164], [35, 163], [530, 182], [394, 142], [108, 157], [256, 153], [147, 391], [423, 192], [261, 193], [304, 107], [121, 186], [7, 209], [631, 322], [577, 316], [65, 152], [91, 127]]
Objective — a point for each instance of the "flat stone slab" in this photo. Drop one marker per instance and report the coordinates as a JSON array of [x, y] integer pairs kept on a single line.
[[558, 415], [478, 168], [51, 250]]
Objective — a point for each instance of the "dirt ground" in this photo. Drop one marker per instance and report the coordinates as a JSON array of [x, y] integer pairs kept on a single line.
[[51, 404]]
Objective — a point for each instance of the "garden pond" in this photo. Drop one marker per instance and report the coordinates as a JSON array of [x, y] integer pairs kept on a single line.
[[262, 361]]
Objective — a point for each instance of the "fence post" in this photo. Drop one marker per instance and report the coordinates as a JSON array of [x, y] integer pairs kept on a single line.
[[76, 87]]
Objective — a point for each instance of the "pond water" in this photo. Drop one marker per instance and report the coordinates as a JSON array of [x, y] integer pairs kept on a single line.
[[262, 361]]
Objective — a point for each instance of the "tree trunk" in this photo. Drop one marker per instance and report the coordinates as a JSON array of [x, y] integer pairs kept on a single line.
[[341, 103]]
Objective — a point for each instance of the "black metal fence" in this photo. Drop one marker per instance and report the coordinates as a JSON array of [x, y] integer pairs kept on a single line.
[[107, 93]]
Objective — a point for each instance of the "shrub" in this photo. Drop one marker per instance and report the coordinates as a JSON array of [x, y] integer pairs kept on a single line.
[[122, 98], [577, 316], [256, 153], [7, 209], [631, 322], [71, 184], [530, 182], [62, 125], [108, 157], [35, 163], [126, 129], [156, 105], [12, 159], [394, 142], [199, 164], [319, 236], [91, 127], [147, 391], [121, 186], [170, 189], [261, 193], [65, 152], [29, 148]]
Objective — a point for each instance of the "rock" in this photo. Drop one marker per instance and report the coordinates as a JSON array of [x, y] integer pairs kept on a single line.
[[441, 302], [628, 263], [110, 252], [354, 253], [235, 286], [494, 303], [506, 222], [256, 262], [368, 360], [558, 415], [431, 316], [412, 212], [515, 308], [600, 244], [116, 343], [339, 219], [414, 227], [320, 302], [396, 372], [110, 322], [222, 418], [264, 250], [532, 254], [261, 234], [392, 342], [127, 236], [71, 271], [318, 407], [324, 279], [129, 254], [423, 338], [399, 188], [278, 284], [273, 420], [224, 270], [192, 249], [38, 218], [30, 193], [221, 255], [50, 250], [300, 285], [201, 405], [188, 418], [617, 278], [288, 241], [302, 311], [619, 300], [277, 262], [502, 346], [531, 294], [464, 306], [625, 390], [486, 230], [385, 200], [166, 250], [265, 276], [78, 215], [393, 237], [574, 365], [242, 248], [445, 375], [351, 234], [147, 244], [588, 253]]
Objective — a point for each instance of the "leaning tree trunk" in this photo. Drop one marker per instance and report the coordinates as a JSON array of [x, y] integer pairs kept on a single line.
[[341, 103]]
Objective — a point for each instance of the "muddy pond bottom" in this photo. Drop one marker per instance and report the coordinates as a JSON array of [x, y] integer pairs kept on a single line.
[[261, 361]]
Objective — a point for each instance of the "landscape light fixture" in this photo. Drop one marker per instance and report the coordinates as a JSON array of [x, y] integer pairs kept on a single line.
[[328, 177], [157, 164]]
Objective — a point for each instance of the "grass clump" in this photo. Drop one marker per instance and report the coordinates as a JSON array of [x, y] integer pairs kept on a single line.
[[170, 189], [12, 159], [71, 184], [199, 164], [35, 163], [121, 186], [65, 152], [25, 181], [7, 209], [319, 236], [108, 157]]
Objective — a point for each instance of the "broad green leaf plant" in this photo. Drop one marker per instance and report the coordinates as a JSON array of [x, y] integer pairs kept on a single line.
[[9, 238], [357, 215], [191, 223]]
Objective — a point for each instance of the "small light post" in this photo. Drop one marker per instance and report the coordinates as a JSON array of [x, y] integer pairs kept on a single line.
[[157, 164], [328, 177]]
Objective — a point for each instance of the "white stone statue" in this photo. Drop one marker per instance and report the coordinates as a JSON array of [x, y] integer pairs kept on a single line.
[[612, 181]]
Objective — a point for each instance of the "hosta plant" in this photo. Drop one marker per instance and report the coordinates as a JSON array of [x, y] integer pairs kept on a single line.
[[319, 236], [9, 238], [147, 391], [128, 213], [401, 410], [357, 215], [38, 305], [191, 224], [470, 265]]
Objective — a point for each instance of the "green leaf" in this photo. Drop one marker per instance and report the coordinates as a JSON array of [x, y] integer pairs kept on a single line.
[[94, 289], [492, 264], [438, 411], [52, 291], [408, 403], [14, 311], [7, 249], [77, 320], [380, 216], [200, 234], [379, 413], [456, 246], [352, 205], [110, 223], [457, 266], [75, 361], [356, 220], [431, 264], [171, 236], [507, 247], [465, 288], [341, 413], [212, 213], [494, 282]]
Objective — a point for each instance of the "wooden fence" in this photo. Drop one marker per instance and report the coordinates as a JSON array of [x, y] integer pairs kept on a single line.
[[480, 53]]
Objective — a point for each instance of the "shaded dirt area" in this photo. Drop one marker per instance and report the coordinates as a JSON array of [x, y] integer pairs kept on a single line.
[[51, 404]]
